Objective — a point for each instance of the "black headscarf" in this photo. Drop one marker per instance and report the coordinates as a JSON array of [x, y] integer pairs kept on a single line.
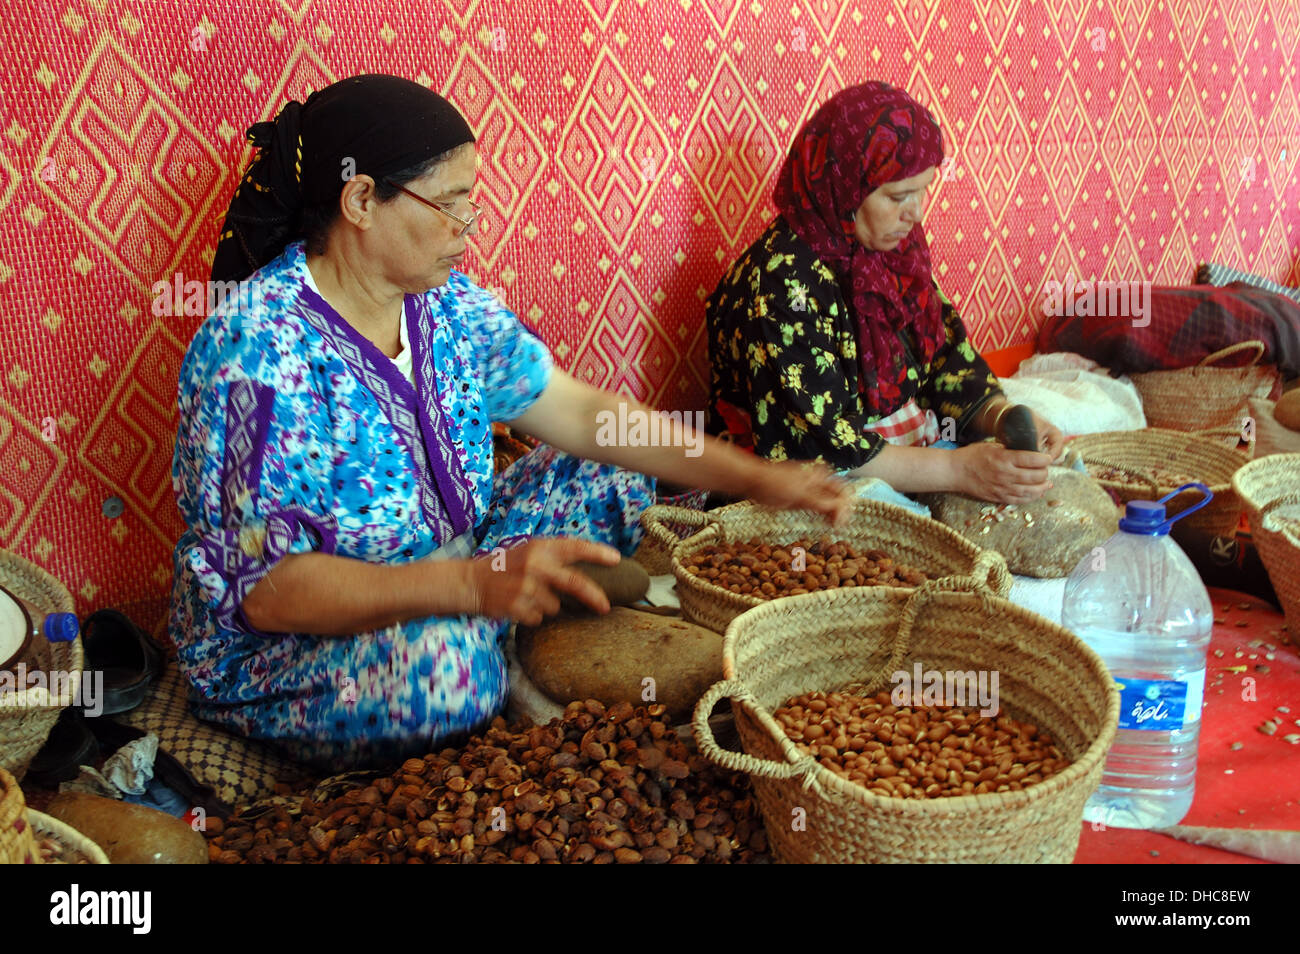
[[372, 124]]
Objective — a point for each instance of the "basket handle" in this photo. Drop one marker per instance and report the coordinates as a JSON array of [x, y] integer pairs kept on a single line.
[[739, 761], [923, 595], [1233, 432], [1257, 346], [990, 569], [654, 517]]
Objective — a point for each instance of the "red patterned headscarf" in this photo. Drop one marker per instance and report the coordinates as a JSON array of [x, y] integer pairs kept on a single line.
[[860, 139]]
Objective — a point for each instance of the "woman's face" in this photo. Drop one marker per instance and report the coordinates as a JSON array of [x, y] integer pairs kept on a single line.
[[888, 214], [420, 244]]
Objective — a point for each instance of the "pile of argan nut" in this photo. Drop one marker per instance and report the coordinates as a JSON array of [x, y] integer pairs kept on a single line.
[[767, 571], [919, 751], [599, 785], [1162, 476]]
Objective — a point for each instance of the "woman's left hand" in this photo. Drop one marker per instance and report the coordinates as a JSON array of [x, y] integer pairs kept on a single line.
[[801, 485], [1050, 439]]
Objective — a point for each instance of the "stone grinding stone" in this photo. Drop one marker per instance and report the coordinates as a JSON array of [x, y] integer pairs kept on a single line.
[[625, 582], [1059, 537], [130, 834], [1018, 430], [607, 658]]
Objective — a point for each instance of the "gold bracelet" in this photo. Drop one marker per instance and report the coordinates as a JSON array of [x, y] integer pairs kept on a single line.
[[993, 431]]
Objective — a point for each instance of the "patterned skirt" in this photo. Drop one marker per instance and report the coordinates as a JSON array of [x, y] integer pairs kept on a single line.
[[385, 695]]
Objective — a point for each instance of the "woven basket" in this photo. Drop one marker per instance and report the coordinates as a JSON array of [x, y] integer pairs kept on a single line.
[[841, 639], [666, 525], [1266, 486], [916, 541], [26, 721], [66, 835], [1189, 399], [17, 846], [1204, 456]]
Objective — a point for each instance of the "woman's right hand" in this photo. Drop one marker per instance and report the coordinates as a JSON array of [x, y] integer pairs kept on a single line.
[[800, 485], [988, 471], [523, 583]]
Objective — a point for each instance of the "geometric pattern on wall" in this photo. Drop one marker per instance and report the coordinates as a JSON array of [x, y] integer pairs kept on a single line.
[[627, 155]]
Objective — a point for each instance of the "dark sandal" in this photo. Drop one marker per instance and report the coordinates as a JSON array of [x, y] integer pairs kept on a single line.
[[129, 660]]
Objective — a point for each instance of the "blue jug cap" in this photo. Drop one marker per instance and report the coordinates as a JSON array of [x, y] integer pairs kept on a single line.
[[61, 627], [1147, 517]]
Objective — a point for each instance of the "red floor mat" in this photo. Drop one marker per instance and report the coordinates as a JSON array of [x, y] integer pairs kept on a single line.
[[1256, 786]]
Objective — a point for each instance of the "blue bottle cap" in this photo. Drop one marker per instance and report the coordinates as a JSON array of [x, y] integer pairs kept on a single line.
[[1146, 517], [61, 627]]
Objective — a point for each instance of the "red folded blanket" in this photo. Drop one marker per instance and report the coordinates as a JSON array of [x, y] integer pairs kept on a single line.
[[1182, 326]]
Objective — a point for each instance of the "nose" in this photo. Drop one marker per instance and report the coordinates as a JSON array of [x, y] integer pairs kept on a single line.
[[475, 214]]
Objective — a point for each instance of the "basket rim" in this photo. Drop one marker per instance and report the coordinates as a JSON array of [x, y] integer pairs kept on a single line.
[[68, 835], [862, 505], [957, 804], [1159, 435], [1240, 480]]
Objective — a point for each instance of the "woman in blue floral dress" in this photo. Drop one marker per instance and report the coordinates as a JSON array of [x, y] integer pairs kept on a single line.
[[351, 564]]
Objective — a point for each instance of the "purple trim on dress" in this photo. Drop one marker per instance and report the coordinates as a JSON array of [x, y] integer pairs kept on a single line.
[[419, 330], [399, 401], [224, 551], [249, 406]]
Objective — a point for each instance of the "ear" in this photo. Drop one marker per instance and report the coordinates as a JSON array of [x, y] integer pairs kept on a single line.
[[357, 203]]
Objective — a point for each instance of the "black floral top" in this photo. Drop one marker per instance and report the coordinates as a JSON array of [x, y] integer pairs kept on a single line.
[[783, 349]]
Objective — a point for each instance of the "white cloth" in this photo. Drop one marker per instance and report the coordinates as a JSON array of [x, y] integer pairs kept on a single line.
[[130, 768], [663, 591], [1046, 597], [1064, 389], [403, 360], [127, 771]]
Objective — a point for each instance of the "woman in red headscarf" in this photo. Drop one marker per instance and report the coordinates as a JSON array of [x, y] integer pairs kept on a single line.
[[828, 338]]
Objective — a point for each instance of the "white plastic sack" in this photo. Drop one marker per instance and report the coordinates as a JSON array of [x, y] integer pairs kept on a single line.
[[1064, 389]]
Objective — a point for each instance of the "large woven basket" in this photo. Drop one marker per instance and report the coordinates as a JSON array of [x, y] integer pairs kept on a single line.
[[17, 846], [916, 541], [1270, 490], [662, 533], [1204, 456], [1191, 399], [843, 639], [26, 720]]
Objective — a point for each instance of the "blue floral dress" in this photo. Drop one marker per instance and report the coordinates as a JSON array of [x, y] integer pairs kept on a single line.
[[297, 434]]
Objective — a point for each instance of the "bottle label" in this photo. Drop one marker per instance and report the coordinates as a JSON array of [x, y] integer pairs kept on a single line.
[[1160, 705]]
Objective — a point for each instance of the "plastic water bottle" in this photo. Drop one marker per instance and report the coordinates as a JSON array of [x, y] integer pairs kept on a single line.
[[1139, 604], [56, 627], [21, 624]]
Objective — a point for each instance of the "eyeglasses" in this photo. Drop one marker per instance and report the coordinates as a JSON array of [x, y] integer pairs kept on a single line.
[[464, 223]]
